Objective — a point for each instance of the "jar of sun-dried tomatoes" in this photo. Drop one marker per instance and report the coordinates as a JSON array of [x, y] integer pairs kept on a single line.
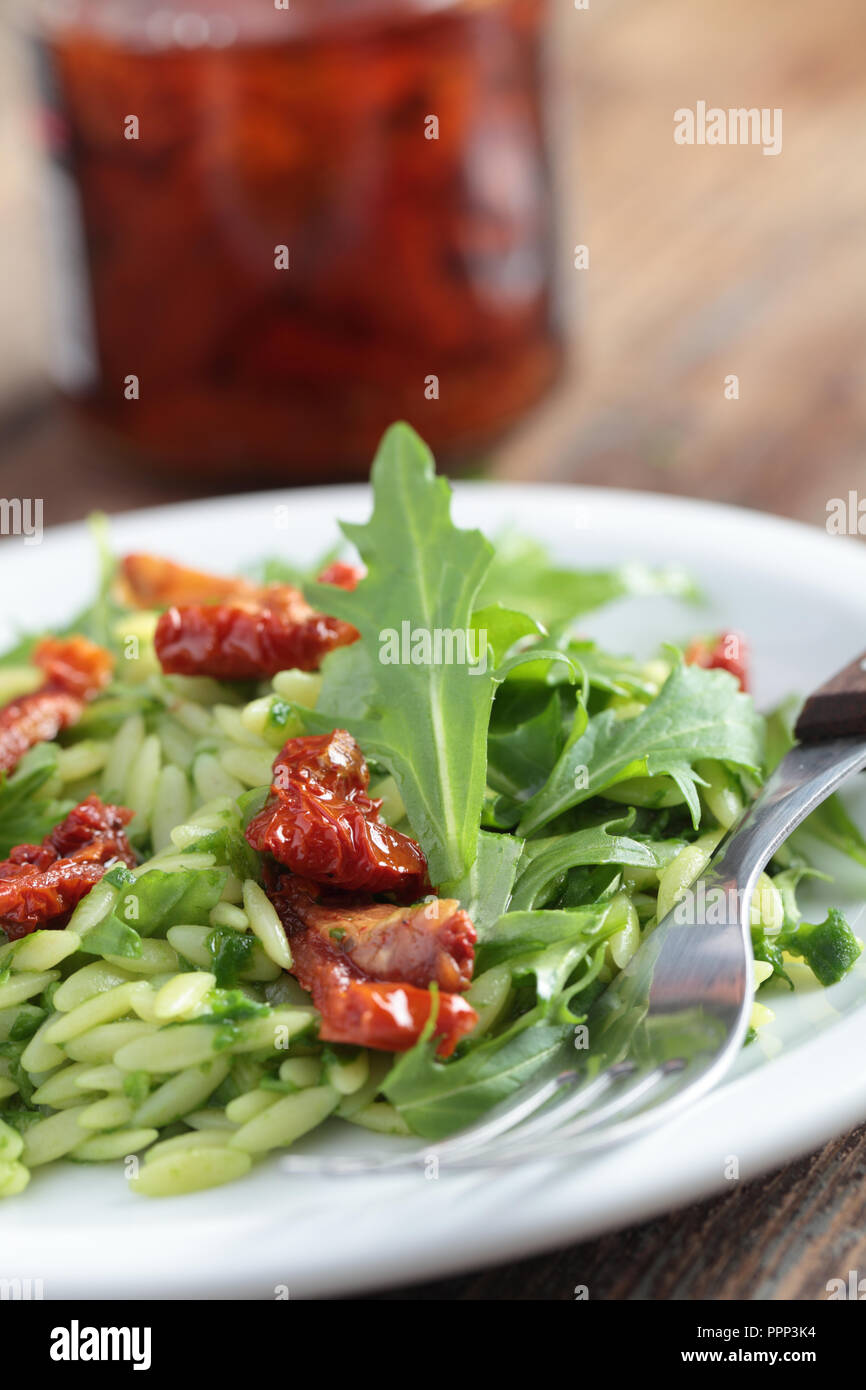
[[281, 224]]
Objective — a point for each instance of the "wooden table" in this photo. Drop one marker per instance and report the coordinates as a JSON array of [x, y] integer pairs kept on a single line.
[[703, 262]]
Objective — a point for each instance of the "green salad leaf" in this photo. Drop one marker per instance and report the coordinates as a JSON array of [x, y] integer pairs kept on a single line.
[[526, 738], [425, 721], [697, 714], [830, 823], [546, 861], [26, 817], [485, 891], [150, 904], [523, 577], [436, 1098]]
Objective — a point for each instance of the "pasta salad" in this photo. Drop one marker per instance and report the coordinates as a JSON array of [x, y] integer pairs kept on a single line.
[[357, 845]]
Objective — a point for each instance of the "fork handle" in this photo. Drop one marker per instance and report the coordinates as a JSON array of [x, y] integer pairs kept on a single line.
[[805, 777], [836, 709]]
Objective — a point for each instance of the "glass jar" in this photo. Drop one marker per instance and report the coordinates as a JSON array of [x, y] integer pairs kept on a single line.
[[278, 228]]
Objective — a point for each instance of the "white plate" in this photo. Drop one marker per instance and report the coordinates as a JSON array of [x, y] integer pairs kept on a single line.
[[801, 597]]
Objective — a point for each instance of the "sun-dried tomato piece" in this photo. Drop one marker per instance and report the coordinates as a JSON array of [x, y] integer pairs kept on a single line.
[[149, 581], [328, 763], [24, 857], [94, 829], [74, 664], [431, 942], [41, 884], [33, 719], [391, 1017], [45, 898], [322, 824], [76, 669], [339, 954], [230, 628], [248, 639], [730, 652], [341, 573]]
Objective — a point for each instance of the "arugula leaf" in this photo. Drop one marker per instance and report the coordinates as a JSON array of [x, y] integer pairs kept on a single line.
[[436, 1098], [526, 738], [616, 675], [426, 723], [523, 577], [830, 823], [551, 969], [697, 714], [503, 627], [486, 889], [589, 885], [546, 862], [25, 817], [519, 933]]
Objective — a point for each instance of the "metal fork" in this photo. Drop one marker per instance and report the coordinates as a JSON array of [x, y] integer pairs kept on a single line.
[[672, 1023]]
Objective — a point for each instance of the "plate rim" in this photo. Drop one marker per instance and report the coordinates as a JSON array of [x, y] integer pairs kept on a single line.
[[840, 1105]]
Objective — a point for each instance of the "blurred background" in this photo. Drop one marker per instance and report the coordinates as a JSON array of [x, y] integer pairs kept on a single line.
[[237, 239]]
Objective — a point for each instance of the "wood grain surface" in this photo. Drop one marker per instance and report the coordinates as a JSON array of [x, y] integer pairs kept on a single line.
[[710, 261], [703, 262]]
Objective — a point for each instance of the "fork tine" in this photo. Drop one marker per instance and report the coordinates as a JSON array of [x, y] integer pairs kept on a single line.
[[555, 1116], [547, 1116], [513, 1120], [477, 1136], [644, 1084], [472, 1146], [525, 1142]]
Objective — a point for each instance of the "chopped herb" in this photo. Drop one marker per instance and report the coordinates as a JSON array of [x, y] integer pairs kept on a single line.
[[231, 952], [829, 948], [136, 1086]]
